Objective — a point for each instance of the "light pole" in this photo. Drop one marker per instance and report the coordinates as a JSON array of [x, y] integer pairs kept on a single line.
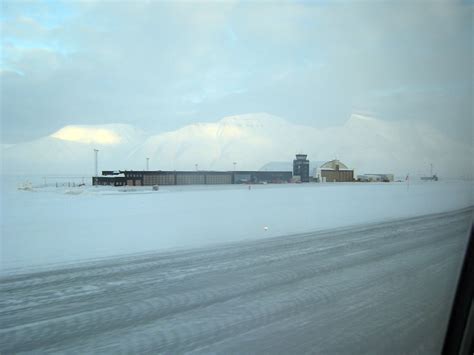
[[147, 164], [96, 153], [196, 167], [234, 165]]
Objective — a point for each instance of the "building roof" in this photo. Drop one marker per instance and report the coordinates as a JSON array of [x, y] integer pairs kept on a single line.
[[332, 165], [301, 156], [288, 166]]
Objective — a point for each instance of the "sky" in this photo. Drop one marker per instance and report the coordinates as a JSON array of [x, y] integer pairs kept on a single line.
[[160, 65]]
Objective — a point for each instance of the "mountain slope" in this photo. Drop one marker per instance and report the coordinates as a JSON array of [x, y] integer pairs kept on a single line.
[[364, 143]]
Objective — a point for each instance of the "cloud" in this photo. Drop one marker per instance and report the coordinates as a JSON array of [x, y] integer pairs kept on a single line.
[[147, 63]]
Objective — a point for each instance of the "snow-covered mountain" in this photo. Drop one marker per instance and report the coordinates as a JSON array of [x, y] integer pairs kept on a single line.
[[367, 144], [70, 150], [249, 140]]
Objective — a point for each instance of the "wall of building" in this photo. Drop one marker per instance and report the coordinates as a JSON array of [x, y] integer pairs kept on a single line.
[[150, 178], [215, 179], [242, 177], [338, 175], [106, 180], [273, 176], [376, 177], [189, 179], [159, 179]]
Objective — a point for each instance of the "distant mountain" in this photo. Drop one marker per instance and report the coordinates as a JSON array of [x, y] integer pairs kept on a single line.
[[367, 144]]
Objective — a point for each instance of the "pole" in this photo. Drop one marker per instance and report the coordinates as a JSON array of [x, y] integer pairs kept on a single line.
[[196, 167], [147, 164], [234, 165], [96, 151]]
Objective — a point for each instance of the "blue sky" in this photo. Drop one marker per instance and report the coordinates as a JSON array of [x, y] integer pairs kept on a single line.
[[160, 65]]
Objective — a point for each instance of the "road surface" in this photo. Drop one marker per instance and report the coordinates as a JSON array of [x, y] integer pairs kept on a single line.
[[379, 288]]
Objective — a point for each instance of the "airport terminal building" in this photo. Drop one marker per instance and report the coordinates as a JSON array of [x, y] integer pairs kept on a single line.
[[331, 171]]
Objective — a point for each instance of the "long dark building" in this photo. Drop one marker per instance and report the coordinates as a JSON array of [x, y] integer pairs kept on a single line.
[[160, 177]]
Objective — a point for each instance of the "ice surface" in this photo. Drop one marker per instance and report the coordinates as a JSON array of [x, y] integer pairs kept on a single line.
[[54, 225]]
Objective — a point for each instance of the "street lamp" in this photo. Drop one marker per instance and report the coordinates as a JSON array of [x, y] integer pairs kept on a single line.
[[96, 151], [234, 165]]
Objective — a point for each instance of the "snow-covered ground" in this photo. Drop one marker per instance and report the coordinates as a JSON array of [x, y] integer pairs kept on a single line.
[[350, 269], [60, 225], [383, 288]]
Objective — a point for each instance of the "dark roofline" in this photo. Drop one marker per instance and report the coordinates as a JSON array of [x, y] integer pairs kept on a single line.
[[329, 169], [200, 171]]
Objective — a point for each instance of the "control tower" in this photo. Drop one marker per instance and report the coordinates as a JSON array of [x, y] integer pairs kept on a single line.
[[301, 167]]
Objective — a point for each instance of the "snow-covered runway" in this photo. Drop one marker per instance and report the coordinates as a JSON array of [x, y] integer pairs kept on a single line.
[[376, 288]]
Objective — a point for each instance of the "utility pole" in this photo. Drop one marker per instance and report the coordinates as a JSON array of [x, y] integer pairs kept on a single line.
[[147, 164], [96, 151]]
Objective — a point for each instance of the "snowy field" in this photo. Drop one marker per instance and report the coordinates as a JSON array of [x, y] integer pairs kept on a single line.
[[50, 225], [383, 288], [326, 268]]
